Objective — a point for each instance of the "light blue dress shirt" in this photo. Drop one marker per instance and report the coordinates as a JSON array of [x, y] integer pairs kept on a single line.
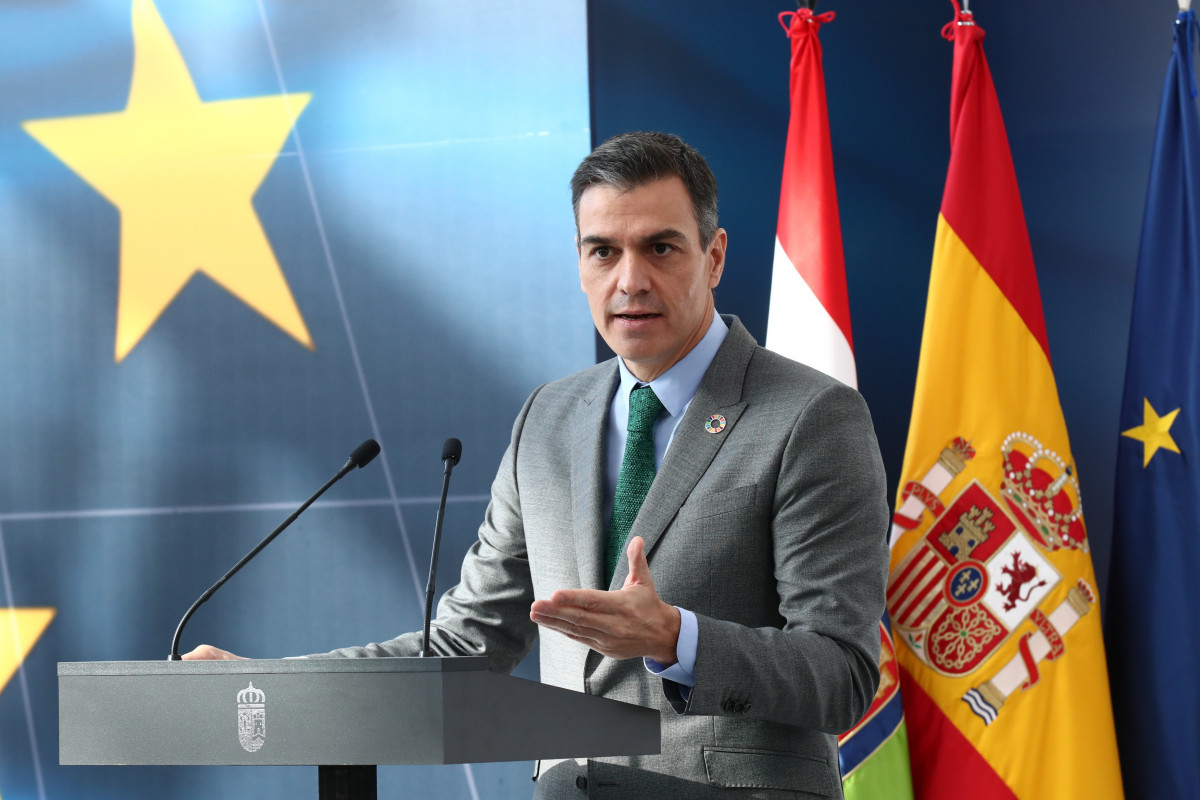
[[675, 389]]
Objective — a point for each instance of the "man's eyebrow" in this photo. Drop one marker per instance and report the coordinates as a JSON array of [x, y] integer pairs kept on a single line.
[[665, 235]]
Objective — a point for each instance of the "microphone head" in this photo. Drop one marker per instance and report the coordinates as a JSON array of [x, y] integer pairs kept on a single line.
[[363, 454], [452, 451]]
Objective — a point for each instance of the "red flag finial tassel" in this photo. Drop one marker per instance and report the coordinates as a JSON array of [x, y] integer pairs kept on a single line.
[[795, 18]]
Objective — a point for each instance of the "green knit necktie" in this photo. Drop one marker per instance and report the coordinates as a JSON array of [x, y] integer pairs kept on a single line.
[[637, 473]]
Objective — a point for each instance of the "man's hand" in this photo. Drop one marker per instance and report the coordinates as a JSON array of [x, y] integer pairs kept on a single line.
[[206, 652], [629, 623]]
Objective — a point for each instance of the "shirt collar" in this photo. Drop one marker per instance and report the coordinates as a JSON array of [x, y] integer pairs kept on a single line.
[[677, 386]]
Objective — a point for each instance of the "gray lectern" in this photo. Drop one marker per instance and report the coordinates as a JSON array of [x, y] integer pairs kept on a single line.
[[344, 715]]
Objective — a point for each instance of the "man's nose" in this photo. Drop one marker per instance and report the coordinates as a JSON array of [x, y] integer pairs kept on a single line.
[[633, 276]]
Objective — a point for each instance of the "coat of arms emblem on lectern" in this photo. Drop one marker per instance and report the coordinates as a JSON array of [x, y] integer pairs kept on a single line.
[[252, 718]]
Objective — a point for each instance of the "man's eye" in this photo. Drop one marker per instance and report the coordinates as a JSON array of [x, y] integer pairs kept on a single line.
[[602, 252], [662, 248]]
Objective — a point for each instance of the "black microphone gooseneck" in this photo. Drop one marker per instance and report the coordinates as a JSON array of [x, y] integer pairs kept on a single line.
[[361, 456], [451, 453]]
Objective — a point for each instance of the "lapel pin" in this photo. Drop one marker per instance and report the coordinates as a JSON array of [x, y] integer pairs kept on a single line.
[[714, 424]]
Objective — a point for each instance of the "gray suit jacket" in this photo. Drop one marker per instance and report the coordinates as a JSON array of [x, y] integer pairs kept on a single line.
[[772, 531]]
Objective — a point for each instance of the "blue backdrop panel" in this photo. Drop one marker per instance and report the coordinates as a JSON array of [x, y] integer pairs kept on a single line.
[[420, 215], [428, 182]]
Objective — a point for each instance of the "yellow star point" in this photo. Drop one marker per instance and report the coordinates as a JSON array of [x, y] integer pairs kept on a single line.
[[20, 628], [1154, 432], [183, 173]]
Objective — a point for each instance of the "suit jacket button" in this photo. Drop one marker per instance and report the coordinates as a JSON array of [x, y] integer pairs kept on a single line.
[[581, 782], [728, 706]]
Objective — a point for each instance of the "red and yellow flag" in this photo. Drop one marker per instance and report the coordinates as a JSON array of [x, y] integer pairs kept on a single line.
[[992, 593]]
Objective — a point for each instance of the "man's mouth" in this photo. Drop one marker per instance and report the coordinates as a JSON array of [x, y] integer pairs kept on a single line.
[[636, 316]]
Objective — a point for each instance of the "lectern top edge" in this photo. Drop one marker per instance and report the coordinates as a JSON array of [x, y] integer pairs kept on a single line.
[[259, 666]]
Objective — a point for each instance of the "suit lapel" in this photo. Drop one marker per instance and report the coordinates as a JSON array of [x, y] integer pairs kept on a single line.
[[587, 479], [694, 448]]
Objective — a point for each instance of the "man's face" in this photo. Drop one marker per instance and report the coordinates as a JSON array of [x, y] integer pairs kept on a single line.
[[647, 275]]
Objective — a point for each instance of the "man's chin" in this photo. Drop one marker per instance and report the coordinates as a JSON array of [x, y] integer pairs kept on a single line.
[[631, 345]]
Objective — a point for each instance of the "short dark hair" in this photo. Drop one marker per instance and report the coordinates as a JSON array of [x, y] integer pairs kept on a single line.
[[629, 160]]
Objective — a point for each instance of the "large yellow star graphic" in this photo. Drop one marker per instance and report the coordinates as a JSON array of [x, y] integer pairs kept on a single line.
[[1154, 432], [183, 173]]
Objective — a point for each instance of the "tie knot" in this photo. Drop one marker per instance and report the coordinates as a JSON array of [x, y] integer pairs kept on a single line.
[[644, 406]]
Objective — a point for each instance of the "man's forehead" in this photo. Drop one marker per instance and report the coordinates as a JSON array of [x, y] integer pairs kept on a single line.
[[662, 205]]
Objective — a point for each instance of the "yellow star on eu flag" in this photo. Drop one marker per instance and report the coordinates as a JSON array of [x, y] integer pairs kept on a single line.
[[1154, 432], [183, 173]]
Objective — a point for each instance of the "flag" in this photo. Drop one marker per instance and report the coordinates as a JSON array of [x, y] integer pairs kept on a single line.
[[1154, 641], [810, 322], [992, 594], [808, 319]]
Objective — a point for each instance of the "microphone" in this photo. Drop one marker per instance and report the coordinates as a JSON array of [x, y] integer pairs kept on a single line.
[[451, 453], [362, 455]]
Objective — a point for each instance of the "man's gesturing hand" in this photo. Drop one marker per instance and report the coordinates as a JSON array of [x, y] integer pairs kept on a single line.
[[629, 623]]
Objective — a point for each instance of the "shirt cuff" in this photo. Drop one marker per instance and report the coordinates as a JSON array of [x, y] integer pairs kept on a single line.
[[683, 671]]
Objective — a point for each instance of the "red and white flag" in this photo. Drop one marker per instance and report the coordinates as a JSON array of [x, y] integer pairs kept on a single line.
[[809, 316]]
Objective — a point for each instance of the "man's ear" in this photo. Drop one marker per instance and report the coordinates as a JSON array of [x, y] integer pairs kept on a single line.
[[716, 253]]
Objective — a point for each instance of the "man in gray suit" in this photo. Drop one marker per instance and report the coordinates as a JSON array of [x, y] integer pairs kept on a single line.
[[712, 545]]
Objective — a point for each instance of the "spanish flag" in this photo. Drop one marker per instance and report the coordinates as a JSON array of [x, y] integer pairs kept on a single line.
[[992, 594]]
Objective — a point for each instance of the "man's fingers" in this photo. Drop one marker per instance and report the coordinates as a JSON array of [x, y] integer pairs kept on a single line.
[[593, 614], [206, 652], [572, 617], [583, 599], [580, 633]]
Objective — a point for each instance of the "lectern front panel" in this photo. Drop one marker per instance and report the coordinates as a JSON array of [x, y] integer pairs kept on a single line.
[[333, 711]]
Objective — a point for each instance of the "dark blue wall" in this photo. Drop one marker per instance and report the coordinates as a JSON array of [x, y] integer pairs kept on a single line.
[[1079, 85]]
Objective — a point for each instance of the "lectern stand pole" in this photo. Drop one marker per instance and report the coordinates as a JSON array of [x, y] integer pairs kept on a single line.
[[347, 782]]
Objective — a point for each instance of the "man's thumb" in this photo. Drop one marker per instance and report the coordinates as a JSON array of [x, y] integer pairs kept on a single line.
[[639, 570]]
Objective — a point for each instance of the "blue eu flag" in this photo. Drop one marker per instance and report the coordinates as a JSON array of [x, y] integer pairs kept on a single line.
[[1153, 637]]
